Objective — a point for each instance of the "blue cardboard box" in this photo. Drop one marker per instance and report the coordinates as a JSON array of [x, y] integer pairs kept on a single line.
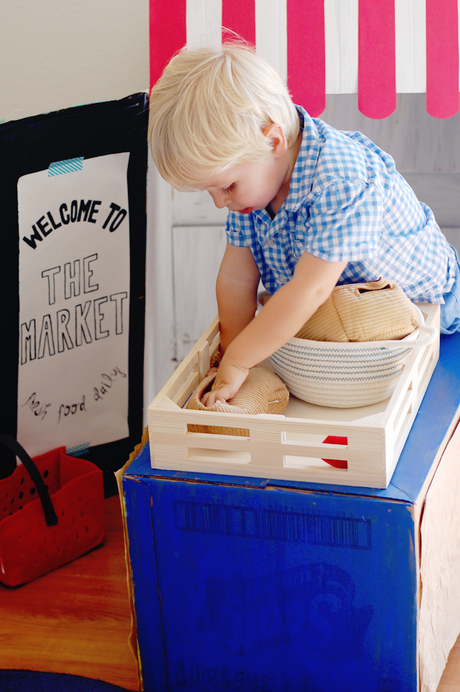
[[269, 586]]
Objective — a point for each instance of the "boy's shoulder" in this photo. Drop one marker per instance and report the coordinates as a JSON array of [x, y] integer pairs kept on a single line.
[[344, 155]]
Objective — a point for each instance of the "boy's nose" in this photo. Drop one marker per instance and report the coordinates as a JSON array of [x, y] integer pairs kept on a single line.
[[220, 200]]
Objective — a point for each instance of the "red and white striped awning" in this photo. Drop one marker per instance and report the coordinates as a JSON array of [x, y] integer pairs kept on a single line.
[[375, 48]]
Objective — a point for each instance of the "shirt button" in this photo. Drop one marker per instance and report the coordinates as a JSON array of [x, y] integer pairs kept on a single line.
[[270, 243]]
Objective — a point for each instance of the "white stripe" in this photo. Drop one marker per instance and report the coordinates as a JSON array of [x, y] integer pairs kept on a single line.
[[410, 27], [204, 23], [271, 33], [341, 38]]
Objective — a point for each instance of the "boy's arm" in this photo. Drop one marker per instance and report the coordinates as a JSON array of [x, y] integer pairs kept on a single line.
[[281, 318], [236, 291]]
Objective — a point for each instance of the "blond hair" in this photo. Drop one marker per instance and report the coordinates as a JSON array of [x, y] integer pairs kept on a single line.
[[209, 109]]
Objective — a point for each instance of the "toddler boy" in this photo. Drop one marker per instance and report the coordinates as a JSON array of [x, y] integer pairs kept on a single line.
[[309, 206]]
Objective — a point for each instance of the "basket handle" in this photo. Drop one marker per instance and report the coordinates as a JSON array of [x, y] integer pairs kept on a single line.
[[50, 515], [431, 334]]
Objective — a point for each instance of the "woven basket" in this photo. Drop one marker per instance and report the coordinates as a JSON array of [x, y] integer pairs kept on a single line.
[[347, 375]]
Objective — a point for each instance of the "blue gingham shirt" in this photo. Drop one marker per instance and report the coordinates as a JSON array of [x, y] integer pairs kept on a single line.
[[347, 203]]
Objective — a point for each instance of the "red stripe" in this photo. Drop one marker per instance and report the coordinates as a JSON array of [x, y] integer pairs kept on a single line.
[[306, 57], [167, 33], [442, 95], [239, 16], [335, 440], [377, 62]]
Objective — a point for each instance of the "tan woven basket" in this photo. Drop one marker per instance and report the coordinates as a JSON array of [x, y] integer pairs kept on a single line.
[[347, 375]]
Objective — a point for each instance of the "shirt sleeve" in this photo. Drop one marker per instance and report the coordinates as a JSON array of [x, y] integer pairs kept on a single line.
[[343, 223], [240, 229]]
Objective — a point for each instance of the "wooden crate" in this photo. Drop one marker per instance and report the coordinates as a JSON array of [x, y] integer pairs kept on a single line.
[[358, 447]]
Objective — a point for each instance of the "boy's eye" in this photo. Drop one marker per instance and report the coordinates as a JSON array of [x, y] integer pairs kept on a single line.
[[225, 190]]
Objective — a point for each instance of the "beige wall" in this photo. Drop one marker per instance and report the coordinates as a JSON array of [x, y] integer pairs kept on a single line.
[[56, 54]]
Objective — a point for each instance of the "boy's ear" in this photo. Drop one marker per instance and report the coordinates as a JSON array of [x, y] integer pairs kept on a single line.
[[277, 139]]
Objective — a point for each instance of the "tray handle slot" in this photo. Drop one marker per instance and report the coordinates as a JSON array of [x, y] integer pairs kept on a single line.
[[314, 440], [218, 455], [298, 462], [194, 429]]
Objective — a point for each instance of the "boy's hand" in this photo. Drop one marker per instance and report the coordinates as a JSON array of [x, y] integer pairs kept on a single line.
[[214, 363], [228, 381], [256, 338]]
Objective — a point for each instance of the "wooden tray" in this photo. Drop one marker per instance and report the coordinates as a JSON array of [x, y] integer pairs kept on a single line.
[[359, 446]]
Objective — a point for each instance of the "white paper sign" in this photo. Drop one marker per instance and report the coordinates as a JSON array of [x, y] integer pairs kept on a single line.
[[74, 304]]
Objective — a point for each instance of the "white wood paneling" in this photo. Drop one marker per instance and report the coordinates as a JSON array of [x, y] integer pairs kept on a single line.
[[204, 23], [196, 208], [160, 346], [197, 253], [410, 29], [341, 37], [271, 29], [417, 142]]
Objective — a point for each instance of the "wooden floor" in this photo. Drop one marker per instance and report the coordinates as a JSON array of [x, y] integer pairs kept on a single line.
[[77, 619], [450, 681]]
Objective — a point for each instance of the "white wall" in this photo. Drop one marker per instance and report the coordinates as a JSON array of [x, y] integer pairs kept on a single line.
[[56, 54]]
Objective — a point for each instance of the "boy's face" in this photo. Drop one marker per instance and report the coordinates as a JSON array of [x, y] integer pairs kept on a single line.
[[246, 187]]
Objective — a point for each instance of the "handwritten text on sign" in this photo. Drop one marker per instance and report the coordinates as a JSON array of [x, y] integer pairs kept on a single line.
[[74, 305]]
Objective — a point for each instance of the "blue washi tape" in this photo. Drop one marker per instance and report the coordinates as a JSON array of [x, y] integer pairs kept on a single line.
[[78, 450], [67, 166]]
